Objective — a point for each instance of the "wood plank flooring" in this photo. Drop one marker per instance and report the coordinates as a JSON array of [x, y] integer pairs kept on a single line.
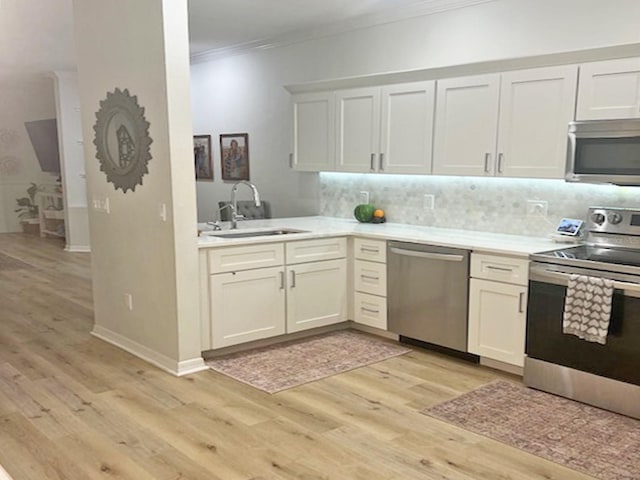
[[74, 407]]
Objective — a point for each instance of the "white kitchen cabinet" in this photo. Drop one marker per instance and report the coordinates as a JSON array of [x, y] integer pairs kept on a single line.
[[260, 291], [513, 124], [497, 307], [497, 321], [385, 129], [316, 294], [406, 129], [609, 90], [465, 125], [358, 129], [536, 107], [247, 305], [370, 282], [313, 132]]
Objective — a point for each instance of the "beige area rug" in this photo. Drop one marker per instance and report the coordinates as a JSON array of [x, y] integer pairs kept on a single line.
[[602, 444], [290, 364]]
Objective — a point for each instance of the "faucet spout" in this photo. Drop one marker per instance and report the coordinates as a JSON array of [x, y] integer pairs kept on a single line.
[[234, 205]]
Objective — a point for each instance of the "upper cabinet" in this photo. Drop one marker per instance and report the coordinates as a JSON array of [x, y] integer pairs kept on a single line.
[[609, 90], [536, 107], [407, 127], [358, 127], [512, 125], [466, 125], [313, 132], [385, 129]]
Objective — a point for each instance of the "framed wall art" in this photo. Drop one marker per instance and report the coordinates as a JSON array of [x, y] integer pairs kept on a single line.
[[234, 156], [202, 157]]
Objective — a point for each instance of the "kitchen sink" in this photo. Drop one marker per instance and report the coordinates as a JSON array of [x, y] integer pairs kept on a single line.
[[261, 233]]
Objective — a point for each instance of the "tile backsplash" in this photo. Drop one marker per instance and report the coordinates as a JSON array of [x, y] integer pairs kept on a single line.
[[471, 203]]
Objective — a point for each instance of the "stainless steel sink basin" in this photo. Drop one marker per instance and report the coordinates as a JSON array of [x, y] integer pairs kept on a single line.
[[261, 233]]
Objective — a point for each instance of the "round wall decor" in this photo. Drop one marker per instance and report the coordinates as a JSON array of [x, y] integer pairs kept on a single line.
[[122, 140]]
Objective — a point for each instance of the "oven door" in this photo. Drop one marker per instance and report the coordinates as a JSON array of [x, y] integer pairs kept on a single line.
[[618, 359]]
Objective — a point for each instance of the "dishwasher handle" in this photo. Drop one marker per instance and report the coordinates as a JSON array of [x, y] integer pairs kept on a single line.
[[447, 257]]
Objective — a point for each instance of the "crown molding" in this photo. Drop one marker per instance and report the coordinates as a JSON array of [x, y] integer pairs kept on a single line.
[[418, 9]]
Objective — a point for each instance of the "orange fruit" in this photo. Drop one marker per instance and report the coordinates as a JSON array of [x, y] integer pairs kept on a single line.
[[378, 213]]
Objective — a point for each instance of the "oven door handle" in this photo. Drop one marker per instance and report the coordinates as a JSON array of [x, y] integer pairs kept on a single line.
[[545, 275]]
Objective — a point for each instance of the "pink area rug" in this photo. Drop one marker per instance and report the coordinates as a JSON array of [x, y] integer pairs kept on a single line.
[[287, 365], [599, 443]]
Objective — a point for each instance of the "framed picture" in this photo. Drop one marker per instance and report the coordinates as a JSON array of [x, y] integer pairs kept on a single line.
[[234, 156], [202, 157]]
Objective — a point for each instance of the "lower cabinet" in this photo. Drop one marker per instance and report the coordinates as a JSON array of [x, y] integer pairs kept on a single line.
[[497, 320], [247, 305], [316, 294], [257, 303]]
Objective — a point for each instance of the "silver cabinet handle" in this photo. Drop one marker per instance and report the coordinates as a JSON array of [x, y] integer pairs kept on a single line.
[[447, 257], [370, 310], [372, 250], [293, 279], [281, 280], [373, 160], [381, 162], [369, 277], [500, 158], [521, 303], [500, 269], [487, 159], [291, 160]]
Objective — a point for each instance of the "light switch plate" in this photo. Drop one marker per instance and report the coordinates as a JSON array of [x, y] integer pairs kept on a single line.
[[364, 196], [429, 201]]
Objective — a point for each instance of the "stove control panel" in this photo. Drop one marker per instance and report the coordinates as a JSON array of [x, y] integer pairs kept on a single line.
[[617, 221]]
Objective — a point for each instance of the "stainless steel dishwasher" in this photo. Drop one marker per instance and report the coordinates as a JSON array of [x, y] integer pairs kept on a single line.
[[427, 293]]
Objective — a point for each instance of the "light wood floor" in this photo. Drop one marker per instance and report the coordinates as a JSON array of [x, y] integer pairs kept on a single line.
[[74, 407]]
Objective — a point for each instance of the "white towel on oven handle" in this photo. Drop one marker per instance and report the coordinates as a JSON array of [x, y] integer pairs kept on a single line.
[[587, 307]]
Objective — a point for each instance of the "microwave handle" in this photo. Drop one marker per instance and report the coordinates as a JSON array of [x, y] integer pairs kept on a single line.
[[571, 156]]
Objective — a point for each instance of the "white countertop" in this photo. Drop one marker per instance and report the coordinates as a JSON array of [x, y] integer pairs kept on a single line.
[[319, 227]]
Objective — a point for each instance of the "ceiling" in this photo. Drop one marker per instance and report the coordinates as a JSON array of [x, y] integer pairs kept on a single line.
[[36, 36]]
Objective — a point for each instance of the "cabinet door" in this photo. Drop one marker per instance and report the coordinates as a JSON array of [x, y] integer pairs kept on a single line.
[[358, 126], [313, 132], [247, 306], [497, 320], [609, 90], [316, 294], [536, 107], [466, 125], [407, 128]]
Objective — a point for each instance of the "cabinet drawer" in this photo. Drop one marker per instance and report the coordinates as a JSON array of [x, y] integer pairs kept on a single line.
[[499, 268], [371, 310], [370, 277], [313, 250], [372, 250], [233, 259]]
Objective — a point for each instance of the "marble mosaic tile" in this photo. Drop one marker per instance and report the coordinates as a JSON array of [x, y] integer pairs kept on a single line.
[[496, 205]]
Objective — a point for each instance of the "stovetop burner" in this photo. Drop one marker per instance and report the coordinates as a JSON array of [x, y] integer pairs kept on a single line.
[[591, 253]]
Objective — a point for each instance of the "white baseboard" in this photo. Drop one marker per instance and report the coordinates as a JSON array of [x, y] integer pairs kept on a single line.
[[160, 360], [77, 249]]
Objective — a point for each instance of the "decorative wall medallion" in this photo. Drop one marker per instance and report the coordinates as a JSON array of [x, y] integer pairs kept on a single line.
[[10, 165], [122, 140], [8, 139]]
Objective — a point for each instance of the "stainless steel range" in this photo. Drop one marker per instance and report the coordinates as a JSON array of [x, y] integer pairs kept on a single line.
[[606, 375]]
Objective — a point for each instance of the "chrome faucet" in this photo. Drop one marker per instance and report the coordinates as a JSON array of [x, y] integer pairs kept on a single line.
[[234, 205]]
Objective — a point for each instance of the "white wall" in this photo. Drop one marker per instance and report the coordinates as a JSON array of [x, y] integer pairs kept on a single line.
[[21, 100], [245, 93], [72, 161], [143, 46]]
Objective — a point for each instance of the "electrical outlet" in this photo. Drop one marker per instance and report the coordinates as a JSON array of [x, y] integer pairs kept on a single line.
[[537, 208], [163, 212], [429, 201], [101, 204], [128, 301], [364, 197]]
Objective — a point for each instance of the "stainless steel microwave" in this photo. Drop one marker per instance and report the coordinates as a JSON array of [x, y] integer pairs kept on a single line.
[[604, 151]]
